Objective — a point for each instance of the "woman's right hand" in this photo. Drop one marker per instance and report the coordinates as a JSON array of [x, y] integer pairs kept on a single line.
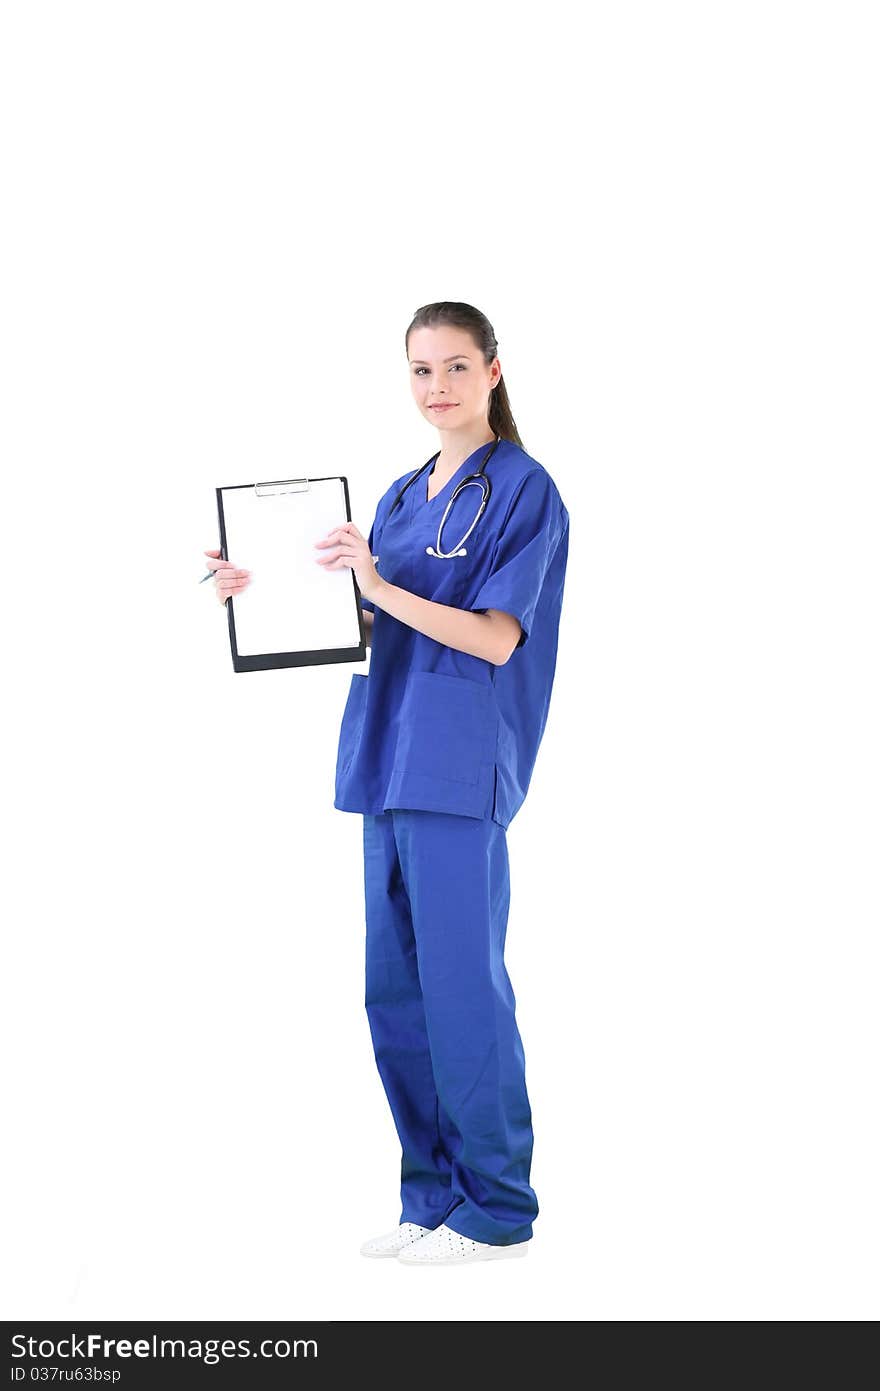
[[228, 579]]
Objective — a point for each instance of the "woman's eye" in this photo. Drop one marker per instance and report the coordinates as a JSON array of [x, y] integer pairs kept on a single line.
[[420, 370]]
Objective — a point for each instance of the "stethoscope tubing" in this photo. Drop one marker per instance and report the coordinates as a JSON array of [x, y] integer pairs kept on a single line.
[[478, 479]]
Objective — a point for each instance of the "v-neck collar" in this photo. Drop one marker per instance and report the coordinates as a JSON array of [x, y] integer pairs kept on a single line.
[[425, 501]]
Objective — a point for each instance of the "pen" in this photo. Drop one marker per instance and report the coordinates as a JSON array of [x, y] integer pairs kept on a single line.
[[211, 573]]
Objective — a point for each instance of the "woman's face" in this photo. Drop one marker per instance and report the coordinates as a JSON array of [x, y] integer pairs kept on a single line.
[[447, 368]]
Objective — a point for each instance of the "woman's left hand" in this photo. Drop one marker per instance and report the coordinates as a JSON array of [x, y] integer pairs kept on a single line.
[[350, 549]]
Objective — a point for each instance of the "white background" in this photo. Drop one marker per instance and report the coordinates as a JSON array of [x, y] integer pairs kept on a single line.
[[219, 220]]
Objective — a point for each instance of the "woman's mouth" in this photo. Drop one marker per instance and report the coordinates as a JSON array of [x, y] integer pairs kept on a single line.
[[448, 406]]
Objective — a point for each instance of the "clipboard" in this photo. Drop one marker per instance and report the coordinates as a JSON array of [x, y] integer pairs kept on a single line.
[[294, 613]]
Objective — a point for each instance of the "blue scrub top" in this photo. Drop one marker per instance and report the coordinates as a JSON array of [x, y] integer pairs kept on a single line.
[[431, 728]]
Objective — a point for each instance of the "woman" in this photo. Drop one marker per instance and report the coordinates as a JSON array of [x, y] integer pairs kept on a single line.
[[436, 750]]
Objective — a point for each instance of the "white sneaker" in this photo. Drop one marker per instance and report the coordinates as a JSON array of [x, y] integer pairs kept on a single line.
[[446, 1247], [392, 1242]]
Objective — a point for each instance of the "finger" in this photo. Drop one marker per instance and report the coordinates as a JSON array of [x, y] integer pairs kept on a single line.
[[213, 553], [347, 529], [338, 553]]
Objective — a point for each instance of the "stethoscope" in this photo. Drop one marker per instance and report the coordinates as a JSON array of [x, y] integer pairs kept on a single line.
[[473, 480]]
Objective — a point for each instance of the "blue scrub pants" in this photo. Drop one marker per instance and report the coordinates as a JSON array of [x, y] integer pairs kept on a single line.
[[441, 1013]]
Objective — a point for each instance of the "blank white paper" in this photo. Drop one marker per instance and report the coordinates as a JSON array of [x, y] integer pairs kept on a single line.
[[292, 604]]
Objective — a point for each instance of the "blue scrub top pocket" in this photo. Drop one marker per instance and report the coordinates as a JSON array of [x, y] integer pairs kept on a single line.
[[444, 759]]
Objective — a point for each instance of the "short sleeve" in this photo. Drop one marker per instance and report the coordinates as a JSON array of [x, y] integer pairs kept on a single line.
[[524, 550]]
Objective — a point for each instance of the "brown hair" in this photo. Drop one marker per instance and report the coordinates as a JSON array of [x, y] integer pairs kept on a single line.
[[458, 315]]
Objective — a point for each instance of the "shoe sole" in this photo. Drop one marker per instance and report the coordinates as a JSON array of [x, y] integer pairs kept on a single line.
[[382, 1255], [498, 1253]]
